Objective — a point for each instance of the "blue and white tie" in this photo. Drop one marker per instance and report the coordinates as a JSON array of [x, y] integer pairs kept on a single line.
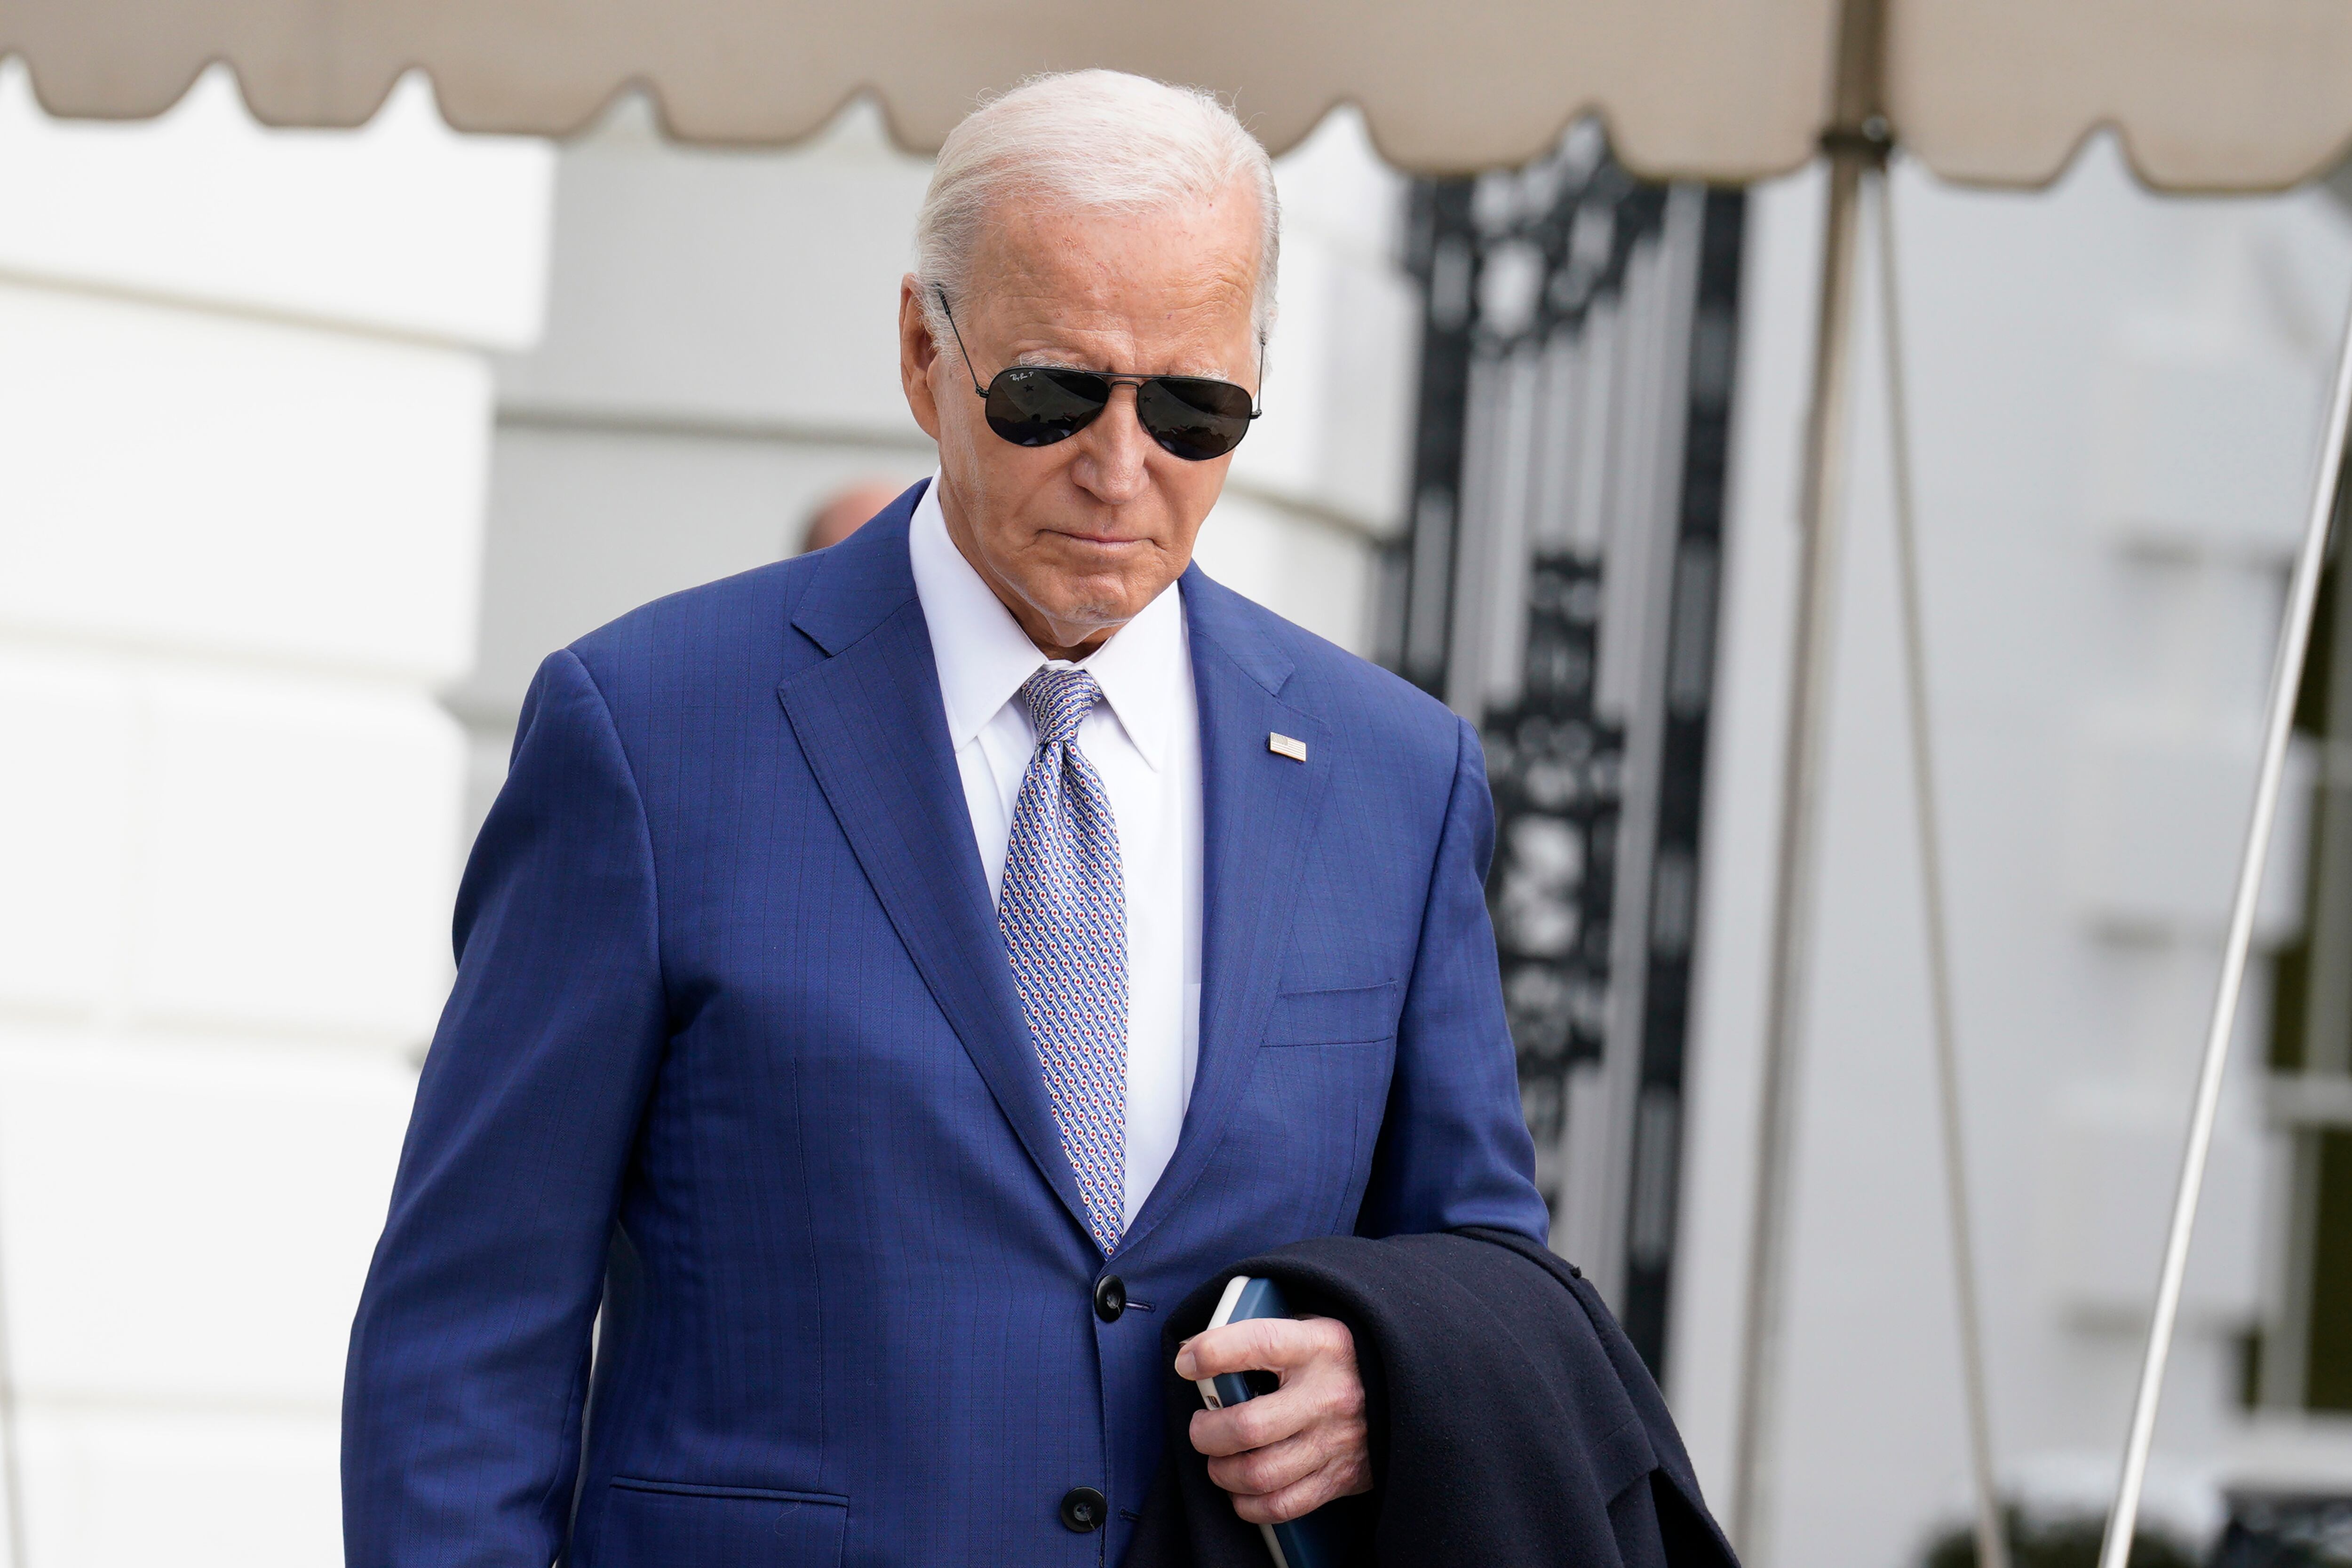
[[1063, 910]]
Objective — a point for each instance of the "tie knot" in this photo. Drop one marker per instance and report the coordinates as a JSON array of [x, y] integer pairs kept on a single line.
[[1059, 701]]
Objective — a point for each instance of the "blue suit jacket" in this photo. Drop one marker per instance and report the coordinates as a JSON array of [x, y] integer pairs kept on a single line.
[[734, 1054]]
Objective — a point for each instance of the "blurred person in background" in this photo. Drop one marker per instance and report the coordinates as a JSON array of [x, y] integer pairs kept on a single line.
[[846, 511], [891, 979]]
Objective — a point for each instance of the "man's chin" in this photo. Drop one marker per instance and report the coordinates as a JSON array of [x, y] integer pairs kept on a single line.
[[1080, 620], [1095, 620], [1091, 599]]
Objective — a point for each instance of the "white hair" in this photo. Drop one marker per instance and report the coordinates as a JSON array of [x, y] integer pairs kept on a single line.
[[1098, 141]]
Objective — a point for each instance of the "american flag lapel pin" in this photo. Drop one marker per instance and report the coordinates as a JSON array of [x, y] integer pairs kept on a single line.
[[1283, 745]]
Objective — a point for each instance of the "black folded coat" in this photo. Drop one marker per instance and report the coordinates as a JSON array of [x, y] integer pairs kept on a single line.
[[1512, 1421]]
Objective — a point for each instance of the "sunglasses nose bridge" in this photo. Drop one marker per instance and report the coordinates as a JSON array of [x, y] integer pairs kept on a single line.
[[1134, 385], [1127, 412]]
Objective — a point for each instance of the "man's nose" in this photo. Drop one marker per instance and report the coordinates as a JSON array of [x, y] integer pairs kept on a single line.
[[1111, 463]]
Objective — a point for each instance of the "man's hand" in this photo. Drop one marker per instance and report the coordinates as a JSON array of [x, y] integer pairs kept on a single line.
[[1287, 1453]]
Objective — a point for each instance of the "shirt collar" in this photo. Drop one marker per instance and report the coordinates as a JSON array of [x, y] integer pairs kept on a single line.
[[983, 656]]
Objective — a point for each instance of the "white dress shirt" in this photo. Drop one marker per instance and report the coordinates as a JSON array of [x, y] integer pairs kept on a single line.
[[1144, 740]]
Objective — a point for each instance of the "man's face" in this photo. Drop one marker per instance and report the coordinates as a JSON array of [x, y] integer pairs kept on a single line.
[[1079, 537]]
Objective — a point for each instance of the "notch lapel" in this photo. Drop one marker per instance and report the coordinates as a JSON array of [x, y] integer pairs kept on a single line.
[[870, 722], [1258, 811]]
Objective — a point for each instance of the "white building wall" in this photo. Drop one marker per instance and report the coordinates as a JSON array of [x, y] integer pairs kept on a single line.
[[721, 354], [2115, 400], [245, 420]]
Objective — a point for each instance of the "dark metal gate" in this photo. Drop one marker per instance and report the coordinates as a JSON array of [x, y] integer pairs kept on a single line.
[[1558, 586]]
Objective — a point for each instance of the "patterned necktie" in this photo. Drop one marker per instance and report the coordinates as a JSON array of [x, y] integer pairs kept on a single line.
[[1063, 911]]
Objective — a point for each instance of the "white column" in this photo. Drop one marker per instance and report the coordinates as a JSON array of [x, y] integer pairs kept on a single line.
[[244, 419], [1320, 483]]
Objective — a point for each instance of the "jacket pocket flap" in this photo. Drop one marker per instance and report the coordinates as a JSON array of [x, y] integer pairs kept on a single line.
[[661, 1525], [1351, 1015]]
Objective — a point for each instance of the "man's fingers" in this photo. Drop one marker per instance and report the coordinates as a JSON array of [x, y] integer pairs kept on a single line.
[[1314, 1475], [1260, 1345], [1294, 1502], [1274, 1469], [1313, 1397], [1286, 1453], [1269, 1419]]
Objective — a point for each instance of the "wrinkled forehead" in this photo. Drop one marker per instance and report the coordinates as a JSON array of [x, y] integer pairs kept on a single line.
[[1122, 288]]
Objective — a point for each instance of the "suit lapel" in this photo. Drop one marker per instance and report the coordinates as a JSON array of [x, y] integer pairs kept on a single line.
[[870, 722], [1258, 811]]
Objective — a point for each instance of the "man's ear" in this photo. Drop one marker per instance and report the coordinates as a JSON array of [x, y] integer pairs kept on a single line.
[[917, 356]]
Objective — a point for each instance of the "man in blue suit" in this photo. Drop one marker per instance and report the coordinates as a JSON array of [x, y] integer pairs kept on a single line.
[[891, 980]]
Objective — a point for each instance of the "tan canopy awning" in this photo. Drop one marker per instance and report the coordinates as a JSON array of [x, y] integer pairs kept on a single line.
[[2213, 94], [2217, 95]]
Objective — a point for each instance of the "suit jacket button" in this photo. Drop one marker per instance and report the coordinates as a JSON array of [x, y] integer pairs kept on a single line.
[[1084, 1510], [1111, 1298]]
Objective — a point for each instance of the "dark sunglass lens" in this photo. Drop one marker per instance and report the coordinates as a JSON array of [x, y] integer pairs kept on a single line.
[[1039, 407], [1194, 419]]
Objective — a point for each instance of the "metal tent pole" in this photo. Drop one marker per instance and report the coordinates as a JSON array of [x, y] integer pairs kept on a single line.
[[1816, 580], [2294, 642], [1856, 142], [1992, 1542]]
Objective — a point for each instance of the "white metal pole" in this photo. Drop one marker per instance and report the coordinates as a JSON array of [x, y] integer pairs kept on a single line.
[[1992, 1539], [2294, 641], [1792, 914], [1857, 140]]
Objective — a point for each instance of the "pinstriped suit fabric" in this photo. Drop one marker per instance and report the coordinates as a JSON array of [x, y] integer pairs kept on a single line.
[[736, 1067], [1064, 915]]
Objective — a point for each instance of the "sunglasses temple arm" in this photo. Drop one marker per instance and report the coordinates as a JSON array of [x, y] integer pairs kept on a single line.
[[976, 387]]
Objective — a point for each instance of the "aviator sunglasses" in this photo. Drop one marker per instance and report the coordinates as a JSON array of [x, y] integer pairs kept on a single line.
[[1193, 417]]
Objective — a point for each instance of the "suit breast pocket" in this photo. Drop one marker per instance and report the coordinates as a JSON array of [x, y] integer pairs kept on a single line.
[[674, 1524], [1347, 1015]]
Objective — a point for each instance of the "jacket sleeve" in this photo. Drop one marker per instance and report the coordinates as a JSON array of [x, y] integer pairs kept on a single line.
[[463, 1393], [1454, 1147]]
